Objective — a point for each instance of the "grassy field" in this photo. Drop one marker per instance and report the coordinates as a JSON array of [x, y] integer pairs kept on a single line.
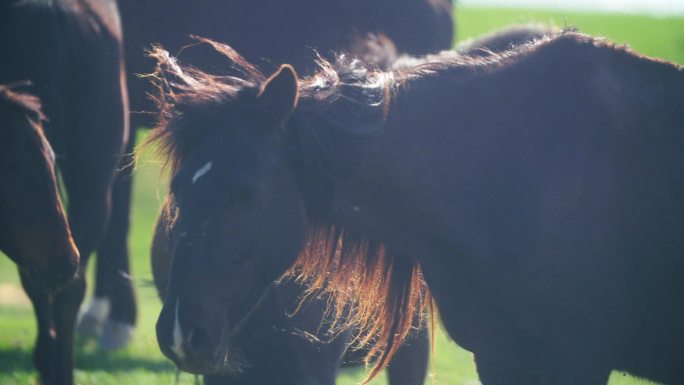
[[142, 364]]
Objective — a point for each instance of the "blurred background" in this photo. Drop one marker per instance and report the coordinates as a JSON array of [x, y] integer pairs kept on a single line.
[[653, 27], [652, 7]]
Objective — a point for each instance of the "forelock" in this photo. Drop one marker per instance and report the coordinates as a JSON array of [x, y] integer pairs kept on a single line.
[[191, 101]]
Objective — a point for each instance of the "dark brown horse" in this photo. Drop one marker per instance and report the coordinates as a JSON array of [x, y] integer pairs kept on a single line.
[[409, 365], [71, 51], [269, 325], [283, 341], [266, 32], [34, 231], [540, 190]]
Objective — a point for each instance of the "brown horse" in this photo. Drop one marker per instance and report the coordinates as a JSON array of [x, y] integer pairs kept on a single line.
[[34, 231], [268, 324], [539, 190], [266, 32], [71, 51]]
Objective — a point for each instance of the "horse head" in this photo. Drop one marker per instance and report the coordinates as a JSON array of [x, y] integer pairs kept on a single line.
[[236, 220], [34, 231]]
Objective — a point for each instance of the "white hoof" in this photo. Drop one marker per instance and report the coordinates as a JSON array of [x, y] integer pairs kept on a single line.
[[115, 335], [92, 317]]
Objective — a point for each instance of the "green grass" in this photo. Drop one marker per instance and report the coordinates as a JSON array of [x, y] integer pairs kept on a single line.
[[142, 364], [659, 37]]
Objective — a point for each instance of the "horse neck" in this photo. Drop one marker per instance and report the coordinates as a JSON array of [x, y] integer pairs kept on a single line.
[[350, 181]]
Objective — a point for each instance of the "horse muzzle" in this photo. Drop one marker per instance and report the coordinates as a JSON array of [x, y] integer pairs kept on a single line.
[[190, 343]]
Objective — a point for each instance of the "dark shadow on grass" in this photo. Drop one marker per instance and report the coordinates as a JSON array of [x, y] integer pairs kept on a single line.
[[17, 359]]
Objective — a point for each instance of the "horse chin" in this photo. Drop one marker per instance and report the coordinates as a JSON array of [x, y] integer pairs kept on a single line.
[[231, 363]]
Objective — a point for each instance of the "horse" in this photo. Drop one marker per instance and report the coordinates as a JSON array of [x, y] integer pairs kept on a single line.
[[409, 365], [536, 192], [298, 28], [71, 51], [304, 353], [35, 236]]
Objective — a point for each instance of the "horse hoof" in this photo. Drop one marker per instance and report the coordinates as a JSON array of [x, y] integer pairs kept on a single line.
[[115, 335], [92, 317]]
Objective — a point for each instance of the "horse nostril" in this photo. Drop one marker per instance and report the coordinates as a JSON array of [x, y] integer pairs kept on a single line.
[[198, 340]]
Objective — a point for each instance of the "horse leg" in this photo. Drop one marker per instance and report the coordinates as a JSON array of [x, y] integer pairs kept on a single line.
[[113, 309], [65, 308], [409, 364], [93, 141], [88, 211], [88, 208], [55, 315], [43, 351], [88, 194], [500, 371]]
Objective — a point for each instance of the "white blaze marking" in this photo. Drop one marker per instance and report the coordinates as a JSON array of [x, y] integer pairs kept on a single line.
[[177, 347], [202, 171]]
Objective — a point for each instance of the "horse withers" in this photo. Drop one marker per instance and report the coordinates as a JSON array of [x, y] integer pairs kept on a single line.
[[34, 231], [537, 193]]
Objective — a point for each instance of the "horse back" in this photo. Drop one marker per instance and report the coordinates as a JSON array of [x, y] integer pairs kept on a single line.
[[560, 194]]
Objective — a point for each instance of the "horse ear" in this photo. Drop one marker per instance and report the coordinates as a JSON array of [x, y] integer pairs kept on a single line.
[[278, 97]]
